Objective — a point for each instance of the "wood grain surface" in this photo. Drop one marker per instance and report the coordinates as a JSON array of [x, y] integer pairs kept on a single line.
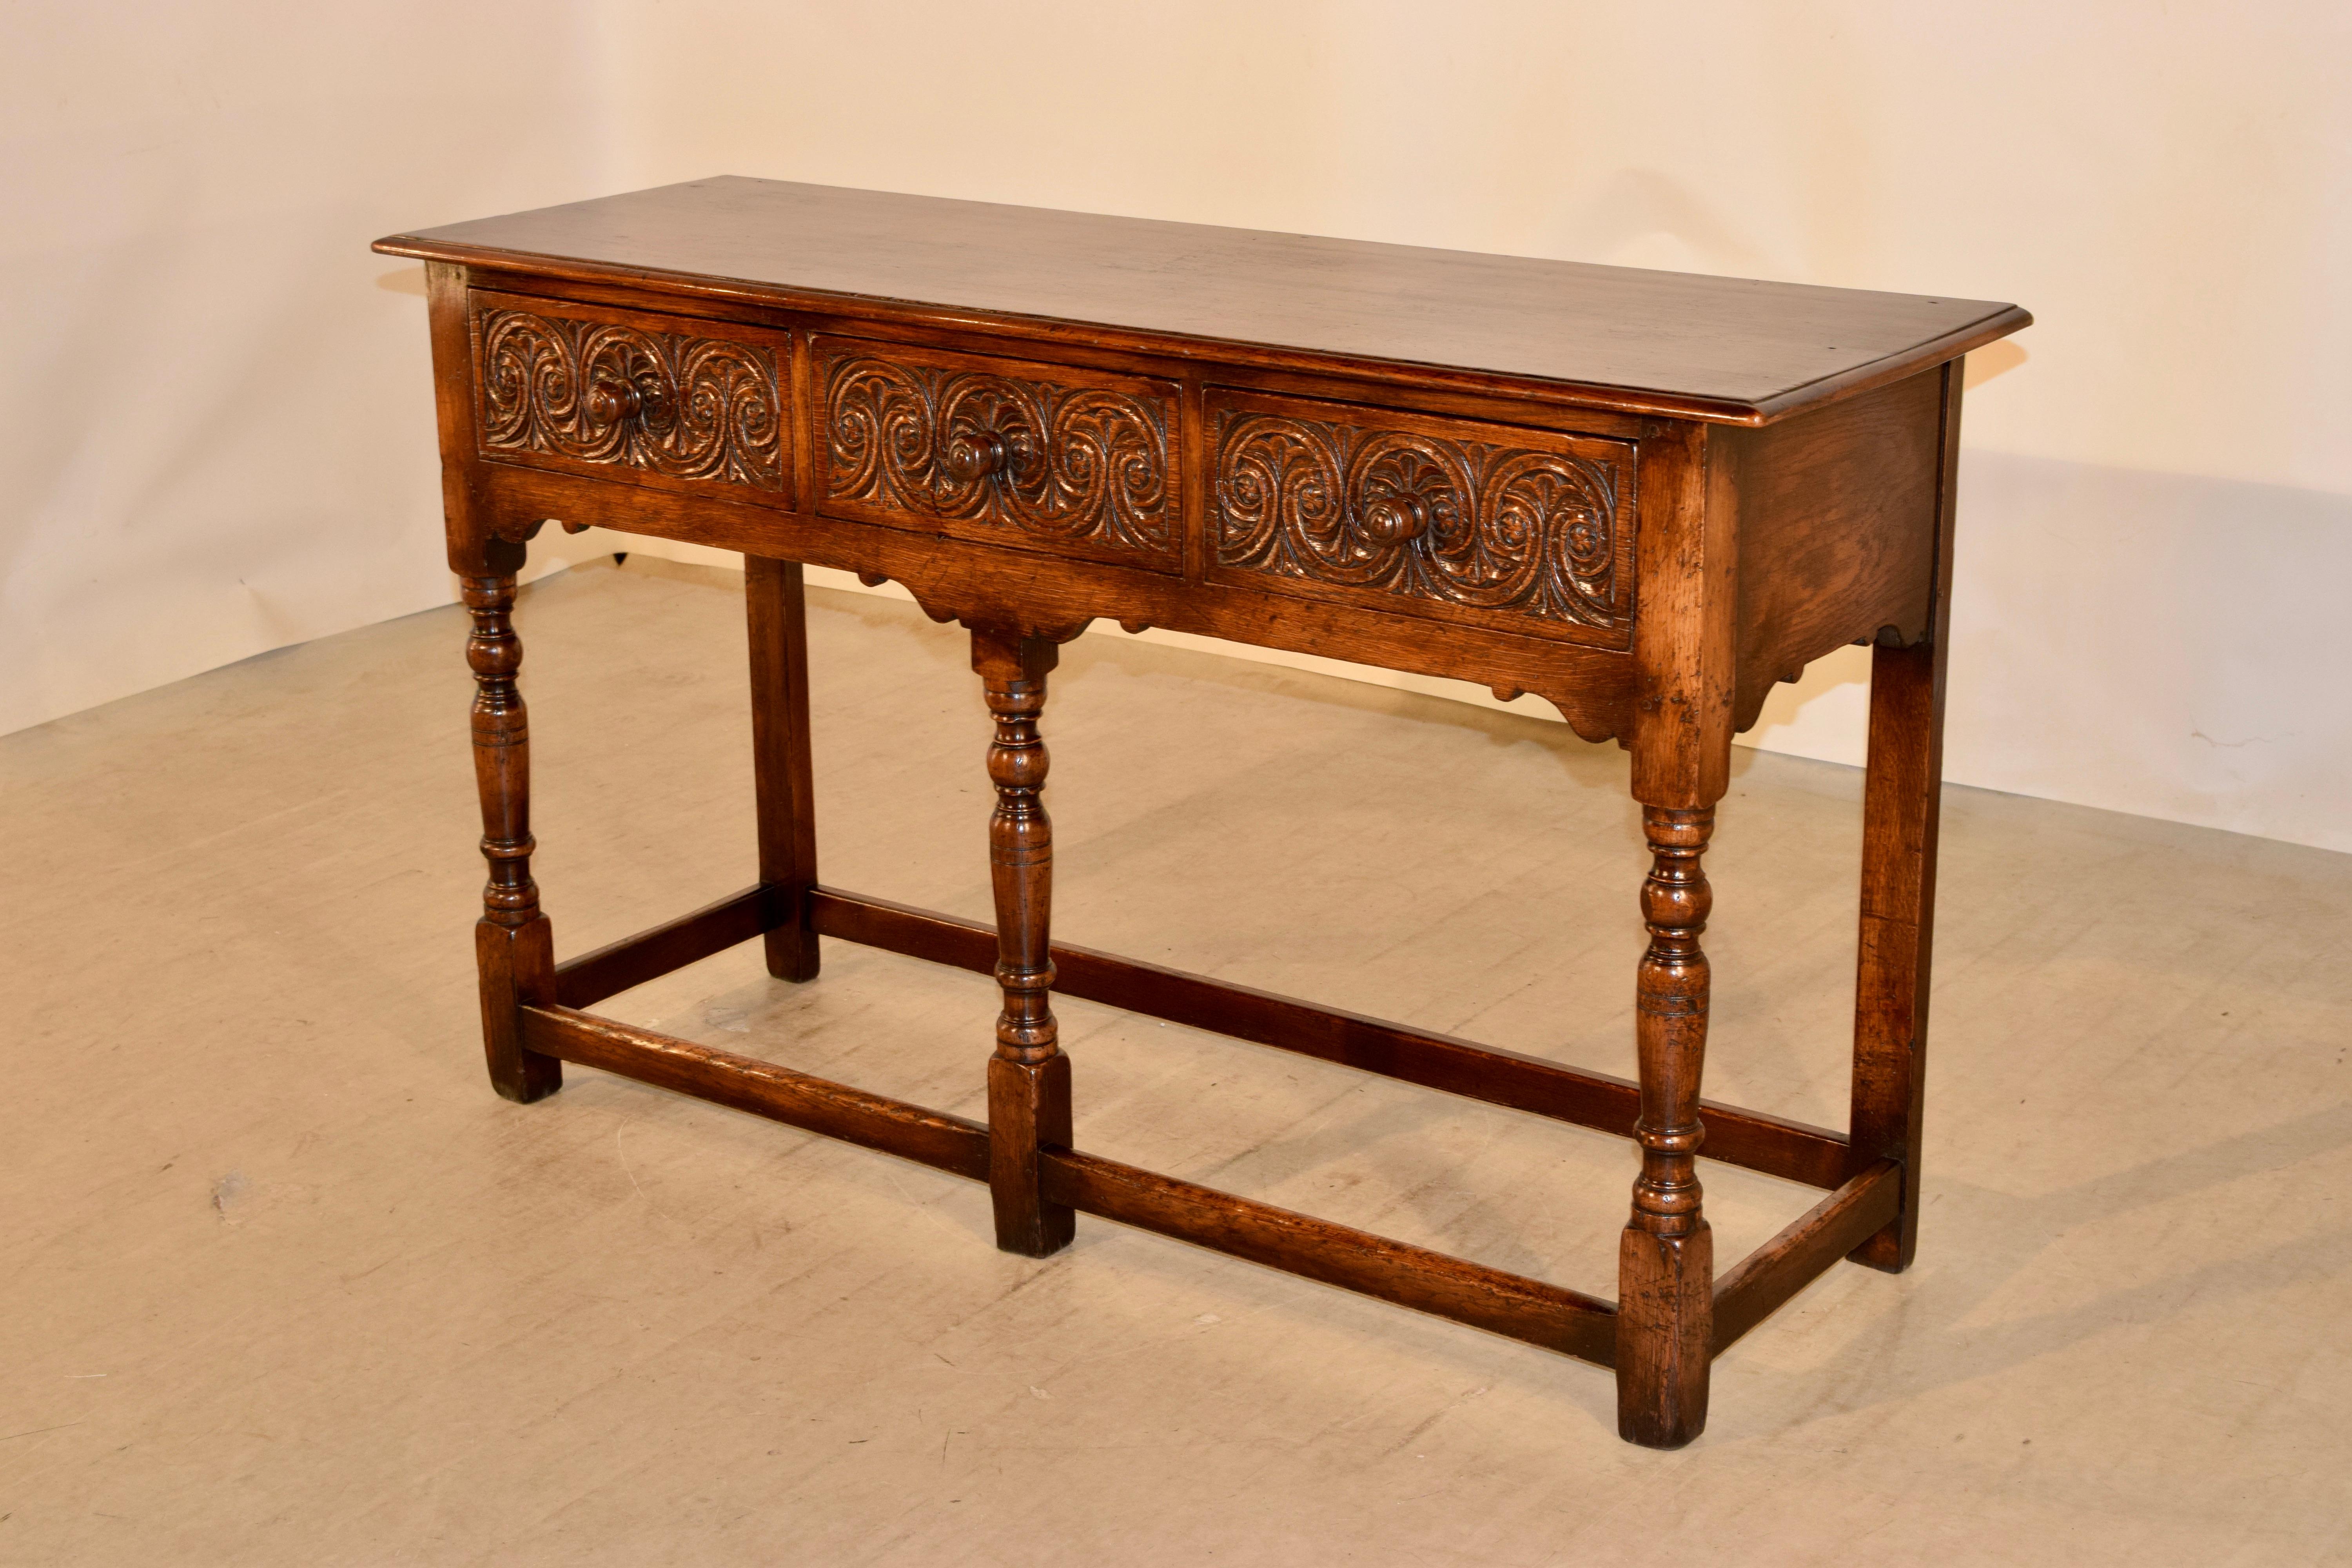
[[1711, 348], [1641, 495]]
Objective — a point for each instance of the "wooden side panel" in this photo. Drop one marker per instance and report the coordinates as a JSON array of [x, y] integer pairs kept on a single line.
[[1837, 531]]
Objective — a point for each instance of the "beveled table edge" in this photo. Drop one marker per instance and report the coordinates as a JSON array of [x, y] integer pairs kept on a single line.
[[1183, 346]]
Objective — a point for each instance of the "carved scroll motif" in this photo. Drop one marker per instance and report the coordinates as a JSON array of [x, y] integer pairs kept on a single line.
[[1084, 464], [671, 404], [1463, 523]]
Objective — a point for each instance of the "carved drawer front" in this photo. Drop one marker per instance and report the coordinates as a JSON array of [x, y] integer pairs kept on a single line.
[[621, 394], [1075, 462], [1494, 525]]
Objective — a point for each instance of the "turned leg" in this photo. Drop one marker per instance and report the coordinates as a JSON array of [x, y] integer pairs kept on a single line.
[[781, 757], [513, 946], [1666, 1255], [1028, 1077], [1684, 658]]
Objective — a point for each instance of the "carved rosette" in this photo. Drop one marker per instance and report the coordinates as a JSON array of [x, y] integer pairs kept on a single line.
[[1478, 524], [600, 392], [1085, 465]]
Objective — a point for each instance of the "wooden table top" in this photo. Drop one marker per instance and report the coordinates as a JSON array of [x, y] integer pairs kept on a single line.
[[1717, 349]]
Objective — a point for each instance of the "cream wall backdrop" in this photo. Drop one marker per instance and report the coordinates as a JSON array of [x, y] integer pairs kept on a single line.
[[216, 422], [222, 441]]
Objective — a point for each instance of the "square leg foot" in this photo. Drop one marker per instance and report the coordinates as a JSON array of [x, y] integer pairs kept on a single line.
[[1027, 1103], [1666, 1323]]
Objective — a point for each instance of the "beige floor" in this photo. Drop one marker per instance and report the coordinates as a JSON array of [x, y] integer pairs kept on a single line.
[[286, 1284]]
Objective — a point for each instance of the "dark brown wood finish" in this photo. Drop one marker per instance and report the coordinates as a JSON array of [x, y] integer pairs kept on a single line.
[[961, 580], [662, 400], [1028, 1076], [1666, 1256], [513, 941], [1791, 1150], [1837, 533], [1902, 802], [607, 971], [1002, 451], [1524, 532], [1773, 1145], [1641, 496], [782, 772], [1665, 342], [1548, 1315], [1817, 1238], [474, 548], [763, 1089], [1685, 648]]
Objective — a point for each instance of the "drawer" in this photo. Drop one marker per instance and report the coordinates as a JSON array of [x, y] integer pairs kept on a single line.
[[667, 400], [1494, 525], [1052, 457]]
